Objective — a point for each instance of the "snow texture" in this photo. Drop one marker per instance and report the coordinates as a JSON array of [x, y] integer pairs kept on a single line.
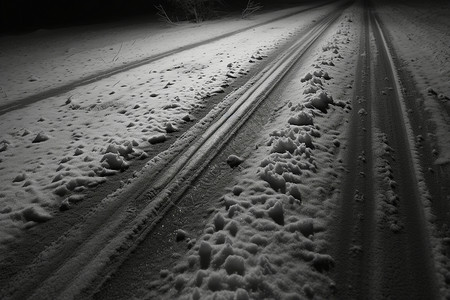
[[269, 238], [52, 152]]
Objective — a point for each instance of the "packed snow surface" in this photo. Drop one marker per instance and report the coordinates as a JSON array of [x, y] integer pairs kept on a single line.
[[424, 50], [268, 239], [52, 151], [49, 58]]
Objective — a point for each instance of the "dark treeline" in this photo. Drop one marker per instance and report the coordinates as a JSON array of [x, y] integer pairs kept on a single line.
[[25, 15]]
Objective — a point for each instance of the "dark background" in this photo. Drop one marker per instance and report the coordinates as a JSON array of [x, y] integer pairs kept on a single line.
[[18, 16]]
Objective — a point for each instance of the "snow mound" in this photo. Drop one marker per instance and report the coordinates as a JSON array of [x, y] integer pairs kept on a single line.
[[20, 177], [235, 264], [36, 214], [320, 100], [113, 161], [305, 226], [362, 112], [311, 89], [294, 190], [302, 118], [215, 282], [233, 227], [181, 235], [323, 262], [277, 213], [284, 144], [157, 139], [322, 74], [40, 137], [234, 161], [222, 255], [306, 139], [123, 150], [4, 145], [204, 252], [219, 222], [276, 181], [307, 77], [241, 294], [170, 128]]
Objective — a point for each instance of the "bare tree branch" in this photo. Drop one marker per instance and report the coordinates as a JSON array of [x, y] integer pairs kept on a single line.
[[251, 8], [163, 15]]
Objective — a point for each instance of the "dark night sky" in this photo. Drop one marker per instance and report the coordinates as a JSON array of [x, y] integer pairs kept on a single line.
[[25, 15], [21, 14]]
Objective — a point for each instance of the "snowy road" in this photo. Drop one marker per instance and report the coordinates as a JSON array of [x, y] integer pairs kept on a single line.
[[382, 240], [303, 163], [112, 230]]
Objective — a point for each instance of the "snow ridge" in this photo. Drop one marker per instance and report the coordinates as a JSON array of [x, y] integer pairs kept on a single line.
[[267, 241], [54, 151]]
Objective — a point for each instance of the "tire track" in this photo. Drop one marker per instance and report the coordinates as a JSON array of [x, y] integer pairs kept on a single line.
[[436, 176], [87, 254], [410, 258], [38, 238], [383, 243], [56, 91], [356, 222]]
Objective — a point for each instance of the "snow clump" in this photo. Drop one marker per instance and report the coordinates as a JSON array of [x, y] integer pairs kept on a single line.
[[302, 118], [114, 161], [36, 214], [157, 139], [235, 264], [41, 137], [321, 101], [234, 161]]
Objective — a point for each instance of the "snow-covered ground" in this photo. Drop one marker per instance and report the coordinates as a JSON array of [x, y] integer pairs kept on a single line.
[[420, 33], [53, 150], [50, 58], [268, 241], [270, 238], [420, 36]]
